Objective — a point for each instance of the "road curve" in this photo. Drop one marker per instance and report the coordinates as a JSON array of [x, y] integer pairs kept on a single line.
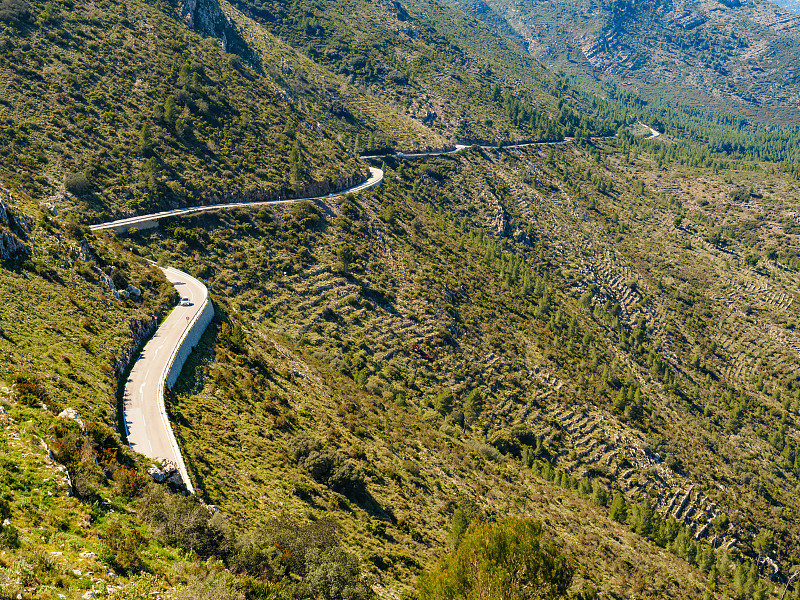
[[146, 423], [144, 414], [121, 225]]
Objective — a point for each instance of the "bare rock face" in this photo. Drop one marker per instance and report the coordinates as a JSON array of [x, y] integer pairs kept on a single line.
[[4, 210], [11, 247], [13, 230], [157, 474], [206, 18], [16, 221], [109, 283]]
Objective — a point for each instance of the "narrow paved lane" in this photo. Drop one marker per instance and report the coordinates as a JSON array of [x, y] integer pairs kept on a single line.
[[151, 220], [146, 423], [148, 429]]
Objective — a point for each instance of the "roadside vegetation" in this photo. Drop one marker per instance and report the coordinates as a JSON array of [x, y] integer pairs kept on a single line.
[[582, 352]]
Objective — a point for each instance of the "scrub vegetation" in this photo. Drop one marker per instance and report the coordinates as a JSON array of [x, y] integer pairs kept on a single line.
[[565, 368]]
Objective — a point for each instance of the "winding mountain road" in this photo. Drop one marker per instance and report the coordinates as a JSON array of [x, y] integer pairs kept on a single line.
[[146, 423], [151, 220], [144, 413]]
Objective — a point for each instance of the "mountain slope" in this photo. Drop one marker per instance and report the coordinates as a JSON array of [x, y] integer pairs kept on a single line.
[[733, 57], [600, 333], [144, 114], [547, 304], [435, 63]]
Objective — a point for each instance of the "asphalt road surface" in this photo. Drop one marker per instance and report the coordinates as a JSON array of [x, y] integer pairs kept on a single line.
[[375, 178], [147, 426]]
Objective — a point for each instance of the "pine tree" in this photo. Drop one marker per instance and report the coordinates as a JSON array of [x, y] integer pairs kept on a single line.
[[296, 165], [171, 111], [145, 140], [600, 496], [619, 509]]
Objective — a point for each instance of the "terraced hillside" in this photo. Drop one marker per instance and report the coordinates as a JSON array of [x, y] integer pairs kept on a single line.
[[557, 307], [599, 331]]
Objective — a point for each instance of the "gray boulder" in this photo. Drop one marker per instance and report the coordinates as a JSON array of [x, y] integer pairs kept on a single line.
[[71, 413], [157, 474]]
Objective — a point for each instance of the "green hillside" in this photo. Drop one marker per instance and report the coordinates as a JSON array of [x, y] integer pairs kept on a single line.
[[531, 318], [143, 114], [584, 347]]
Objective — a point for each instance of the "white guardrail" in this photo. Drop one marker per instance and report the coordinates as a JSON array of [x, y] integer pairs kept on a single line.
[[188, 340], [196, 326]]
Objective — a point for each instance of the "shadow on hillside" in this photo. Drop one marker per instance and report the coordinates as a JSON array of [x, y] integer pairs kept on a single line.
[[367, 502]]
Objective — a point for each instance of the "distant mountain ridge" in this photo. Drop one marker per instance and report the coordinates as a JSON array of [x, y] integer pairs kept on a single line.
[[792, 5], [735, 57]]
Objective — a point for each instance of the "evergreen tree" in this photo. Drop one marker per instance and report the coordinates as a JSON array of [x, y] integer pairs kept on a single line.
[[145, 140], [619, 509], [171, 111]]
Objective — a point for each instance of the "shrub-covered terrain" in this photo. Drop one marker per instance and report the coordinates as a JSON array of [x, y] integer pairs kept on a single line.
[[581, 350], [143, 114], [529, 323]]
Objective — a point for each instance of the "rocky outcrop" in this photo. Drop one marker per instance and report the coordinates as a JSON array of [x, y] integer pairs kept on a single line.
[[13, 229], [170, 474], [67, 480], [157, 474], [505, 228], [12, 248], [4, 213], [206, 18], [71, 413]]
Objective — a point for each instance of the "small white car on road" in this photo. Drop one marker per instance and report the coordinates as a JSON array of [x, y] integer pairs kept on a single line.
[[186, 302]]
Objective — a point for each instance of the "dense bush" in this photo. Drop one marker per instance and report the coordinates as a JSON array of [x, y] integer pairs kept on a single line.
[[76, 183], [185, 522], [219, 585], [294, 540], [333, 574], [28, 390], [503, 561], [327, 466], [305, 215], [284, 550], [131, 483], [14, 11], [73, 449], [123, 547], [741, 194]]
